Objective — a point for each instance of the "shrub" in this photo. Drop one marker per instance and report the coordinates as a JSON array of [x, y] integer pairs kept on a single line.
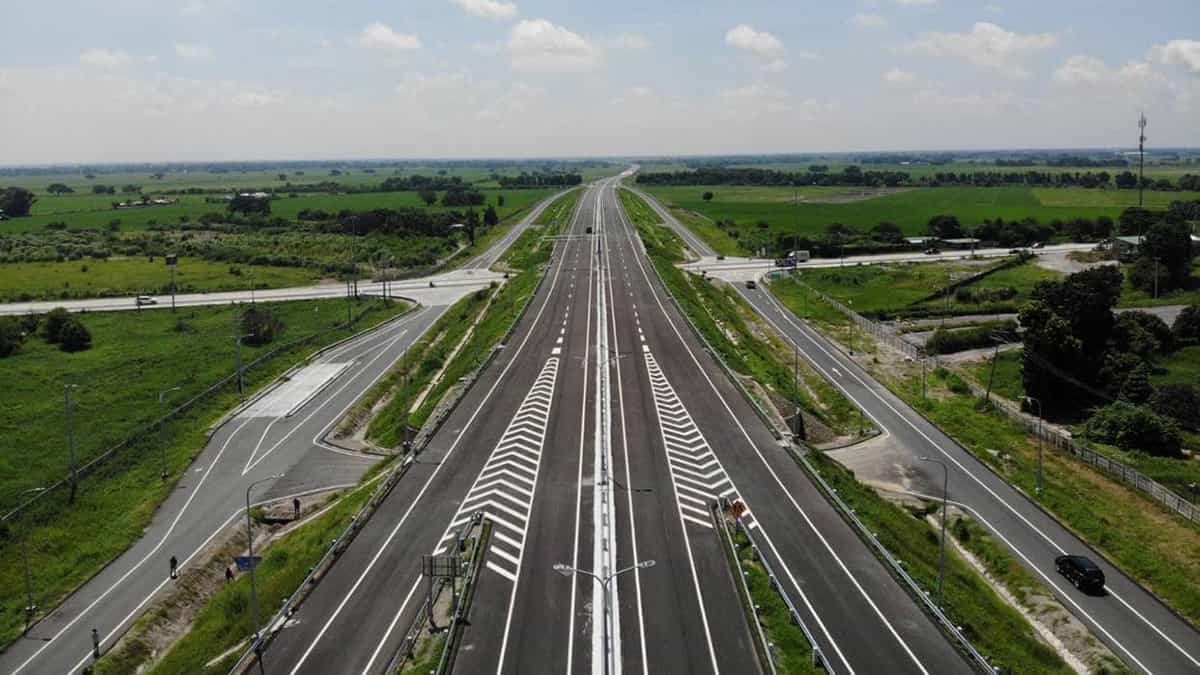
[[1133, 427], [1187, 325], [55, 320], [1180, 402], [11, 336], [261, 325], [947, 341], [74, 337]]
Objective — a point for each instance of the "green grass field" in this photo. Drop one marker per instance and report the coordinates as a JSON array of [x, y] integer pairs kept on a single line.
[[910, 209], [837, 164], [134, 357], [132, 276]]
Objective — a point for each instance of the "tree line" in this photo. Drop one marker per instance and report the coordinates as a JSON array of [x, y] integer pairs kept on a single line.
[[540, 179], [854, 176]]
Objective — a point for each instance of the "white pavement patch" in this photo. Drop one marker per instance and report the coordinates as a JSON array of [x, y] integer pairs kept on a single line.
[[699, 478], [507, 483], [290, 396]]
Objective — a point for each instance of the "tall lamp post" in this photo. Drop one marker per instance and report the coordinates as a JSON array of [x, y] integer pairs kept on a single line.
[[1032, 400], [30, 607], [942, 555], [253, 587], [71, 440], [604, 581], [241, 380], [162, 396]]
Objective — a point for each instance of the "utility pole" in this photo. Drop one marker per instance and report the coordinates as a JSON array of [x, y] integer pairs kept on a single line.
[[71, 441], [161, 444], [945, 501], [1039, 432], [1141, 154], [1155, 278], [253, 587], [30, 607], [241, 377], [992, 375]]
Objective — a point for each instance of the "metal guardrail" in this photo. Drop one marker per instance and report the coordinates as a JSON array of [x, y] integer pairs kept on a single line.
[[764, 645], [896, 567]]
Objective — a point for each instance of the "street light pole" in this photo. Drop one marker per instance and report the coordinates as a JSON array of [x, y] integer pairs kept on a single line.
[[30, 608], [942, 559], [71, 440], [604, 581], [240, 374], [1039, 435], [162, 446], [250, 552]]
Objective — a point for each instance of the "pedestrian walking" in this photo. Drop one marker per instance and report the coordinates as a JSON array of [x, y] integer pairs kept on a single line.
[[296, 507], [174, 568], [228, 574], [95, 644]]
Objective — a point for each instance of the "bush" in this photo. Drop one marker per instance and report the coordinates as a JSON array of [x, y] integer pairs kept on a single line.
[[55, 321], [1187, 325], [1133, 427], [1180, 402], [261, 325], [1141, 333], [75, 336], [948, 341], [11, 336]]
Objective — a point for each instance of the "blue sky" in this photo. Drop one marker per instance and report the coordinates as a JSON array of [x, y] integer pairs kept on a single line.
[[132, 80]]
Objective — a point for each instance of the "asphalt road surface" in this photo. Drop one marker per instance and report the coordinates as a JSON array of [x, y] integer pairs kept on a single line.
[[280, 433], [1131, 621], [601, 344]]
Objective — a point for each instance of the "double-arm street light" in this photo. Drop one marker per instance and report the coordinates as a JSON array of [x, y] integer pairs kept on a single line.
[[942, 558], [604, 581], [30, 607], [162, 397], [250, 555]]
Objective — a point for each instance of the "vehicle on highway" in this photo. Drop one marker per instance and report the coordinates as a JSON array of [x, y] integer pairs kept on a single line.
[[1081, 571], [932, 250], [146, 300], [1038, 245], [751, 284], [589, 230]]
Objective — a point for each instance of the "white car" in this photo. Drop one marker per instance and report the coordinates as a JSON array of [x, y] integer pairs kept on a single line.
[[146, 300]]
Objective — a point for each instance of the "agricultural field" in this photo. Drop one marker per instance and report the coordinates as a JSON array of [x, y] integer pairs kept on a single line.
[[917, 171], [810, 210]]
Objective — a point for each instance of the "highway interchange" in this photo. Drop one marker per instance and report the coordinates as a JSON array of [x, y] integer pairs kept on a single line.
[[599, 437]]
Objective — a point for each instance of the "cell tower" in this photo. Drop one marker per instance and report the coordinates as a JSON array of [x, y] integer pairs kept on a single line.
[[1141, 155]]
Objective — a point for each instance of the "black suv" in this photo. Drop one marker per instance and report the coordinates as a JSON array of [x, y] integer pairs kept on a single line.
[[1081, 571]]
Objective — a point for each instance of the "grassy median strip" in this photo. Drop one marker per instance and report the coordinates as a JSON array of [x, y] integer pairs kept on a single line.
[[1154, 547], [750, 347], [789, 647], [1000, 632], [133, 359]]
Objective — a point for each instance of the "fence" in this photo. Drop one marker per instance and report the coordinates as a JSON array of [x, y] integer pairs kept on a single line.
[[154, 426]]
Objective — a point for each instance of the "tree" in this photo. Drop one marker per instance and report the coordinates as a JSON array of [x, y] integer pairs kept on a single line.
[[945, 227], [282, 176], [472, 223], [500, 200], [888, 232], [261, 325], [1048, 340], [248, 204], [428, 196], [707, 196], [1134, 221], [1085, 300], [1141, 333], [59, 189], [1186, 328], [131, 189], [1171, 245], [52, 327], [11, 336], [1137, 388], [490, 218], [1132, 427], [16, 202], [74, 336], [99, 189], [1180, 402]]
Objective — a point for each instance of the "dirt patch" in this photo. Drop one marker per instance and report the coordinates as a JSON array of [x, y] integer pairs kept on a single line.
[[850, 197], [1072, 262]]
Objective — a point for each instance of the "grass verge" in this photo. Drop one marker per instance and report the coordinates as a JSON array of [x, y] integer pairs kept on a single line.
[[135, 357], [791, 650]]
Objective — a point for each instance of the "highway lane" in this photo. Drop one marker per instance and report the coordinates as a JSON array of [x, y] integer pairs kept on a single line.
[[356, 617], [253, 444], [862, 618], [1135, 624]]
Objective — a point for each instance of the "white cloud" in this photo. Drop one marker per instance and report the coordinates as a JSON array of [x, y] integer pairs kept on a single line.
[[193, 52], [759, 42], [987, 45], [897, 76], [104, 58], [861, 20], [419, 83], [488, 9], [1178, 53], [916, 3], [378, 35], [629, 42], [1081, 69], [540, 45], [513, 104]]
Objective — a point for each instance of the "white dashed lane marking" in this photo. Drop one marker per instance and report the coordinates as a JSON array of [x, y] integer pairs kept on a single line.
[[698, 476], [506, 486]]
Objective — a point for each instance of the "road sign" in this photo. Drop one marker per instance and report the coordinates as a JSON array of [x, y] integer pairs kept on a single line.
[[245, 562]]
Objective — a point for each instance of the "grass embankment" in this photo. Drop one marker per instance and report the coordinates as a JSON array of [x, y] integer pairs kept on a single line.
[[22, 282], [818, 207], [422, 361], [791, 649], [749, 347], [225, 620], [1155, 547], [134, 358], [997, 630]]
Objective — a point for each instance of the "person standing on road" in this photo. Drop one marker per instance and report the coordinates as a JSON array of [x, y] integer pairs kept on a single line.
[[228, 574], [174, 568], [296, 508]]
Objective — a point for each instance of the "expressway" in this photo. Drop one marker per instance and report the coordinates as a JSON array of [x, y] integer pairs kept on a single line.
[[1131, 621], [278, 432], [598, 438]]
